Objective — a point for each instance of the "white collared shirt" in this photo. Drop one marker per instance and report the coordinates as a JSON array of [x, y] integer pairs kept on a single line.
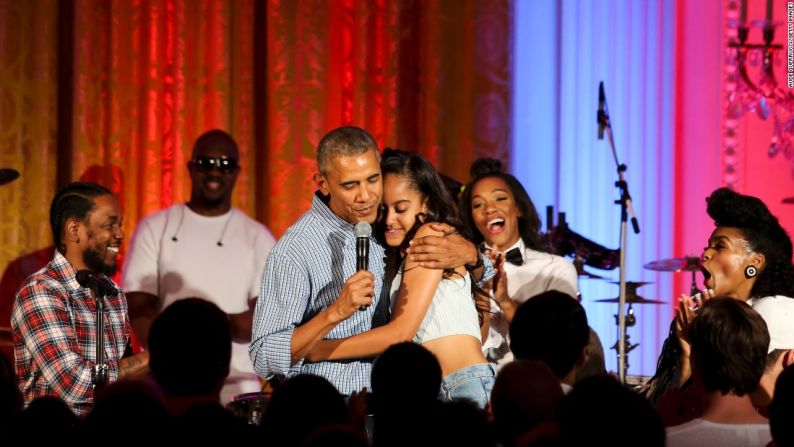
[[539, 273]]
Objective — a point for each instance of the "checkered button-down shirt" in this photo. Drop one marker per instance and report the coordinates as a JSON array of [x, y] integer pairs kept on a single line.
[[53, 322], [303, 275]]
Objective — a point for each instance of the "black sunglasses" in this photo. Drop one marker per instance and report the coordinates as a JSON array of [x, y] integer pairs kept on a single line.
[[206, 164]]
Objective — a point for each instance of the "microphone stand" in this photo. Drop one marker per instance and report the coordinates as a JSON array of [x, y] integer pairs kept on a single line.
[[99, 373], [626, 209]]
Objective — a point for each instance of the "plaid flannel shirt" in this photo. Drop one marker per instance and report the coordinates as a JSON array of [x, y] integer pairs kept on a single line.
[[53, 322]]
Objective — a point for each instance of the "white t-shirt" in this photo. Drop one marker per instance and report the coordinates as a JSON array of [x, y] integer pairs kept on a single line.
[[700, 433], [539, 273], [194, 265]]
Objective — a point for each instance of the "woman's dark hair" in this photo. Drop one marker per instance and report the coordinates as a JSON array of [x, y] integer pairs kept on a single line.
[[423, 178], [668, 369], [75, 200], [528, 222], [764, 235]]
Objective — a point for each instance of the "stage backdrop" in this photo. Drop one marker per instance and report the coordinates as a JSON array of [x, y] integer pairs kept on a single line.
[[117, 92], [666, 76]]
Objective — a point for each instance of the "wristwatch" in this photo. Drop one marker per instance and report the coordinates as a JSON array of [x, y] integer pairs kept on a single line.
[[477, 264]]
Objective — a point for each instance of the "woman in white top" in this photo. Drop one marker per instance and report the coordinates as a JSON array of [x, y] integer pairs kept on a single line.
[[432, 307], [500, 215]]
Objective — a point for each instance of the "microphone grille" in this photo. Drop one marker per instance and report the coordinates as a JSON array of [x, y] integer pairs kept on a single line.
[[84, 278], [362, 229]]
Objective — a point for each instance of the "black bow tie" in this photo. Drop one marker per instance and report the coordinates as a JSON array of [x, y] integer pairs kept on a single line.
[[514, 256]]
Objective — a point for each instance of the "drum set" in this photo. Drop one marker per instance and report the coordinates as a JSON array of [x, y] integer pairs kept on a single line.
[[563, 241]]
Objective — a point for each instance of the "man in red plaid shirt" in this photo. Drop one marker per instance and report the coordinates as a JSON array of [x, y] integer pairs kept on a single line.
[[53, 320]]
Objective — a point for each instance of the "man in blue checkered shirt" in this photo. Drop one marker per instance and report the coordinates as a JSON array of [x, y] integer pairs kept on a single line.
[[311, 289]]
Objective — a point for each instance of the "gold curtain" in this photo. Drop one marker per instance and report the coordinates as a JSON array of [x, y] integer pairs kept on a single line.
[[140, 80], [28, 110]]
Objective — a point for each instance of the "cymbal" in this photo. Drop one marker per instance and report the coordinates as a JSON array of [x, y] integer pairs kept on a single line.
[[8, 175], [687, 264], [631, 299]]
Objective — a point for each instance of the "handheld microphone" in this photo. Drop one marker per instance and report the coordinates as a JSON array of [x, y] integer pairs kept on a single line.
[[602, 116], [362, 230]]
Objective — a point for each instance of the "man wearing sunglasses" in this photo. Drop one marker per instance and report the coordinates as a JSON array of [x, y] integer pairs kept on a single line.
[[204, 248]]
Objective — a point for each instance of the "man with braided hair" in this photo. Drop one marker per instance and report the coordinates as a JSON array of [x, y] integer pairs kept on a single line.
[[53, 319]]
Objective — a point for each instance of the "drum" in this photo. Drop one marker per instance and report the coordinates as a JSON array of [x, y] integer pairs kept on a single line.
[[249, 406], [638, 383]]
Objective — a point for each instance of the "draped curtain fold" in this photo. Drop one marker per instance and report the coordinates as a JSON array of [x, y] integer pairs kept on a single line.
[[144, 78], [28, 110], [430, 76]]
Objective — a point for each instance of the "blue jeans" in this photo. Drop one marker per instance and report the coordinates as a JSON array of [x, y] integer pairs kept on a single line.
[[472, 383]]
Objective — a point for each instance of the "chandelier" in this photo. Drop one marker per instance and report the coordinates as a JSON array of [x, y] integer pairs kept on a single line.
[[751, 84]]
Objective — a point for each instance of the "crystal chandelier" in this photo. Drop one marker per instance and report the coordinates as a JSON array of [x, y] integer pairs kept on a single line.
[[752, 86]]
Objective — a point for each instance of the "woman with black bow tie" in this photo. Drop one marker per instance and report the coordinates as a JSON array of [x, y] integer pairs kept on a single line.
[[500, 215]]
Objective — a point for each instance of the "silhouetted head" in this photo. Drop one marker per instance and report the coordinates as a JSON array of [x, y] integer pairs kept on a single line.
[[729, 346], [405, 375], [589, 413], [188, 331], [550, 327], [299, 407], [526, 393], [781, 410]]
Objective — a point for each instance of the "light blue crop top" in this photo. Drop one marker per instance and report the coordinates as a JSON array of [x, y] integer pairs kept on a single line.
[[451, 311]]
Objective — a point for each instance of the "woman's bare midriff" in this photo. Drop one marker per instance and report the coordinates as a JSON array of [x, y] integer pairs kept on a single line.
[[455, 352]]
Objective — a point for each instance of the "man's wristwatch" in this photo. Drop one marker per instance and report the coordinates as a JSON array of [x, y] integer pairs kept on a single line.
[[477, 264]]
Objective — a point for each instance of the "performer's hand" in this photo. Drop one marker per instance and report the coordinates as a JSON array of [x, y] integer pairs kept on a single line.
[[442, 252], [499, 288], [499, 281], [686, 311], [356, 293], [684, 314]]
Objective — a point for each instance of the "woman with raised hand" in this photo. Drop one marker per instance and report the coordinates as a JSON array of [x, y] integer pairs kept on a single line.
[[432, 307], [498, 212], [748, 257]]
